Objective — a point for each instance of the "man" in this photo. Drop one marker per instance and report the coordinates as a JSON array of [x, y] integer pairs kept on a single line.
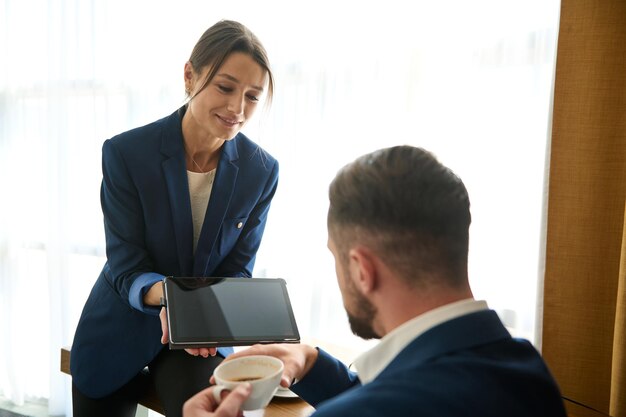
[[398, 227]]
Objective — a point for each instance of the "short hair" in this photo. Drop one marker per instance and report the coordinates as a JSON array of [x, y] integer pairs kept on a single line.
[[222, 39], [409, 208]]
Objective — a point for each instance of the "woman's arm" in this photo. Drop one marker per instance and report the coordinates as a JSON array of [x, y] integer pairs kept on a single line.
[[129, 264]]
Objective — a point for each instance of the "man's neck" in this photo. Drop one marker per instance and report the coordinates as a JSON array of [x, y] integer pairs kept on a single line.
[[403, 304]]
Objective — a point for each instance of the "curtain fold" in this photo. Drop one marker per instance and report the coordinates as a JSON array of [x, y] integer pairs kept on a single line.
[[618, 372]]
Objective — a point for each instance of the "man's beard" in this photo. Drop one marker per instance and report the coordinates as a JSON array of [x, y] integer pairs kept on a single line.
[[361, 325]]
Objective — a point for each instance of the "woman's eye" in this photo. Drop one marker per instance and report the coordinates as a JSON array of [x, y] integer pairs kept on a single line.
[[252, 98], [224, 89]]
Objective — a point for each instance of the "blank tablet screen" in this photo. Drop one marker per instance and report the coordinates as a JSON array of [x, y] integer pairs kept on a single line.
[[206, 312]]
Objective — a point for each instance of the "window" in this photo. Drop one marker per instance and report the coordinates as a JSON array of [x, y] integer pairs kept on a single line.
[[469, 81]]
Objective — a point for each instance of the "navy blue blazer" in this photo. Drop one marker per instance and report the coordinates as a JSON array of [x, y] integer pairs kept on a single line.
[[469, 366], [149, 234]]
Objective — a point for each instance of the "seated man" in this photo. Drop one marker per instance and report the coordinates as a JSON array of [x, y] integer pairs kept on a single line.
[[398, 227]]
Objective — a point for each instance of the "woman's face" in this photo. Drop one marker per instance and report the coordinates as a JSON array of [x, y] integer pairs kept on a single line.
[[222, 109]]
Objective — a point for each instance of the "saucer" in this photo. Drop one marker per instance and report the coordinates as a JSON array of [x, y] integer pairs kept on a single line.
[[285, 393]]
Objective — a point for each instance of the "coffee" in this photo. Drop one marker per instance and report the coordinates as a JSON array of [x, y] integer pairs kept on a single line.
[[246, 378]]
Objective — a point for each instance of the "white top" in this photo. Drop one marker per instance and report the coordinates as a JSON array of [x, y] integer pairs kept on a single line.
[[200, 186], [374, 361]]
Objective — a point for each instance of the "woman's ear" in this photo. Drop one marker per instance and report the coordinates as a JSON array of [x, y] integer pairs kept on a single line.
[[363, 270], [188, 74]]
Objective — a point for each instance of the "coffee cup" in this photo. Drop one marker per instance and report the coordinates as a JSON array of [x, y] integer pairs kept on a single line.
[[263, 373]]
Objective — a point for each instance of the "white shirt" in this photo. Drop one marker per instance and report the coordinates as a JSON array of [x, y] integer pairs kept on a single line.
[[200, 186], [374, 361]]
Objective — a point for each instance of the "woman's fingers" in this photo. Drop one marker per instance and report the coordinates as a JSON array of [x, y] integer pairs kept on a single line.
[[165, 336], [204, 352]]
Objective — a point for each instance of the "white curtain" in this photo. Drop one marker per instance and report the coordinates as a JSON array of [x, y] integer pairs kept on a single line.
[[469, 81]]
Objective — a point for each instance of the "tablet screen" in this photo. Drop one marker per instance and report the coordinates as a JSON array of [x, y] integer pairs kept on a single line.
[[228, 312]]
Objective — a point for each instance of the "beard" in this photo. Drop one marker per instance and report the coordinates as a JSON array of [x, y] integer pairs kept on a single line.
[[361, 323]]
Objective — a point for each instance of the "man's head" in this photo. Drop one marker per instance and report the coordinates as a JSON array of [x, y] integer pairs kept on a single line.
[[410, 213]]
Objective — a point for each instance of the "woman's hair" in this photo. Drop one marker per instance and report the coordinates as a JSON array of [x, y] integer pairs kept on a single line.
[[221, 40]]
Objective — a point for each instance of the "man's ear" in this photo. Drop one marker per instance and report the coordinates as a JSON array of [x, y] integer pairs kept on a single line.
[[363, 270]]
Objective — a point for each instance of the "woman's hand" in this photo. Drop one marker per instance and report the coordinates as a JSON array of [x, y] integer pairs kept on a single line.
[[165, 338], [153, 296], [203, 404], [297, 358]]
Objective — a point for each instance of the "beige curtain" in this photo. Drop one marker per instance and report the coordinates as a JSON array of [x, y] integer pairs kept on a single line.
[[584, 336]]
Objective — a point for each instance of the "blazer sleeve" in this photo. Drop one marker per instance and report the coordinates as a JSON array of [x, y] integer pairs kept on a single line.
[[129, 264], [327, 378], [240, 259]]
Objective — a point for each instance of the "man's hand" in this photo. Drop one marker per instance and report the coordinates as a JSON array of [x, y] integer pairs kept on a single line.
[[298, 359], [165, 338], [203, 404]]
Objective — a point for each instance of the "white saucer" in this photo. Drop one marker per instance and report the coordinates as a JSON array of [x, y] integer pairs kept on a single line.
[[285, 393]]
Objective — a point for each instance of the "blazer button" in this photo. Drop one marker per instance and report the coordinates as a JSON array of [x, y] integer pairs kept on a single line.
[[239, 225]]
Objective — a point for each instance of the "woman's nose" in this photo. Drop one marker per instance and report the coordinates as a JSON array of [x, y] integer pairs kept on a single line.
[[236, 104]]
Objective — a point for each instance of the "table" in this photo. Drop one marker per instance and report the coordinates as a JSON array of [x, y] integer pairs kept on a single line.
[[278, 407]]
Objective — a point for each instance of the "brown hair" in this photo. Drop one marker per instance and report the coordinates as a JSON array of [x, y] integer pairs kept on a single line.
[[409, 208], [221, 40]]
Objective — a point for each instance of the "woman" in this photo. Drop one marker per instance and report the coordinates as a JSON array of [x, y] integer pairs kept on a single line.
[[187, 195]]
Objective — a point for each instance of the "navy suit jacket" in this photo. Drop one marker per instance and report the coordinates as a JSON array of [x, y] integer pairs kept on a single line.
[[149, 235], [469, 366]]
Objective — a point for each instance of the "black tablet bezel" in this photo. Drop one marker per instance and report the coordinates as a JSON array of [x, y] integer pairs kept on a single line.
[[179, 342]]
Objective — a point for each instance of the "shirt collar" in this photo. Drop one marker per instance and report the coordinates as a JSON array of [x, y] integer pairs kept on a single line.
[[371, 363]]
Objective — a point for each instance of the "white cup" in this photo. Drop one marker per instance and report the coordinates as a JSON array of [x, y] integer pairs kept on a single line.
[[262, 372]]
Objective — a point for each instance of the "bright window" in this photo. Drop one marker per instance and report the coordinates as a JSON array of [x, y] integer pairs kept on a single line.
[[470, 81]]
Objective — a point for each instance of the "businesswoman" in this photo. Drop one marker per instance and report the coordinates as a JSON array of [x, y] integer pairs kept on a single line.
[[187, 195]]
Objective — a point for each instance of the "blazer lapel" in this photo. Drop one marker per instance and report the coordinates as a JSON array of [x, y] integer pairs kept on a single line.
[[207, 252], [174, 171]]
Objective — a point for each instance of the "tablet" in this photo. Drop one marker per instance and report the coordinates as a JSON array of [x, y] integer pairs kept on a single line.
[[213, 312]]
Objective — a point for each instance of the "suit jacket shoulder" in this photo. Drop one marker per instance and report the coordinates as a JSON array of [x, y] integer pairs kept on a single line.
[[165, 136], [468, 366]]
